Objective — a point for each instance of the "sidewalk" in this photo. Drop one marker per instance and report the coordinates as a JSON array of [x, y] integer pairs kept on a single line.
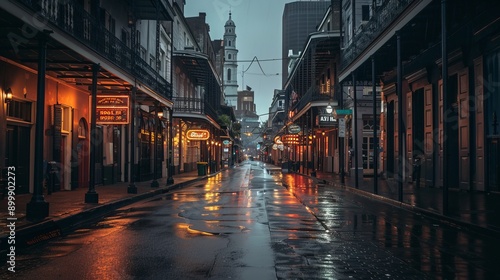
[[67, 209], [478, 211]]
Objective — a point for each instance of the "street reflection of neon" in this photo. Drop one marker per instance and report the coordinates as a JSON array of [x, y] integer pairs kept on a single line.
[[183, 198], [212, 208], [212, 197], [188, 228], [295, 216]]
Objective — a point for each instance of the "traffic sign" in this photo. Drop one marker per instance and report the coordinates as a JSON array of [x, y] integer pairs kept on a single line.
[[342, 127]]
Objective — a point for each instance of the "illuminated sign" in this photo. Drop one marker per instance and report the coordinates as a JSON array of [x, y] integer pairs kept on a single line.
[[112, 115], [294, 129], [326, 120], [198, 134], [112, 109]]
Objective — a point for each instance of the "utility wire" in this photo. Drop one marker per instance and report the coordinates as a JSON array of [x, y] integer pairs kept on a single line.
[[268, 59]]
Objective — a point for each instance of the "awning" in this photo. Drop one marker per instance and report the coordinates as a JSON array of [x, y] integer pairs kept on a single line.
[[147, 9], [198, 66]]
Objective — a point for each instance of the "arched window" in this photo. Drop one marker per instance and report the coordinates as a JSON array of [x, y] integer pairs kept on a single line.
[[228, 74], [229, 43], [229, 56]]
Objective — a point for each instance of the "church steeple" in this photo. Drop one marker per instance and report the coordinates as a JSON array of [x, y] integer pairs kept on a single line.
[[230, 62]]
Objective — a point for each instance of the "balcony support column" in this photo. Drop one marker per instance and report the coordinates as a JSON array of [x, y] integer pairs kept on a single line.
[[356, 132], [132, 188], [38, 208], [401, 134], [375, 137], [92, 196], [446, 104]]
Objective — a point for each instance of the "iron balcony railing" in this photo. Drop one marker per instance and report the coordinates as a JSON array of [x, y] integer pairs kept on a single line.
[[312, 94], [383, 16], [189, 105], [72, 18], [194, 106]]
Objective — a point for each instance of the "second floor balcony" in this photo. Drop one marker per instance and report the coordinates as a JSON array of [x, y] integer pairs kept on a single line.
[[78, 32]]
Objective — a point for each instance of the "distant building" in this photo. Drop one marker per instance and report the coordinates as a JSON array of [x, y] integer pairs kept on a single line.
[[249, 120], [299, 19]]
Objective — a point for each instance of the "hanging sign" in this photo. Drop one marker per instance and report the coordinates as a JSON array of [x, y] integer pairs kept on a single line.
[[293, 129], [326, 120], [197, 134], [112, 109]]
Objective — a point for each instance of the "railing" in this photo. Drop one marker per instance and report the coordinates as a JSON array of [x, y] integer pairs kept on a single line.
[[72, 18], [312, 94], [194, 106], [189, 105], [367, 33]]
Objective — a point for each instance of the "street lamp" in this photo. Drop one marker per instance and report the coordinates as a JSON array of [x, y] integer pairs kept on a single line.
[[329, 108]]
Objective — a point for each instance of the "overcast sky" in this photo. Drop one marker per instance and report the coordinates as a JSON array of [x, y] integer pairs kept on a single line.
[[258, 31]]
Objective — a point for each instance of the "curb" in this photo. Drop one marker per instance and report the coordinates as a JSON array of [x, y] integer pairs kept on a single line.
[[54, 227]]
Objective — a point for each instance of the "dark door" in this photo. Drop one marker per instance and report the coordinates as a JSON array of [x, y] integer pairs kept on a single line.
[[463, 130], [18, 155]]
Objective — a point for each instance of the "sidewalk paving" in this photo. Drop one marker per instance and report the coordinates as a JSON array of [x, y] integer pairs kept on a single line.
[[472, 210], [67, 209]]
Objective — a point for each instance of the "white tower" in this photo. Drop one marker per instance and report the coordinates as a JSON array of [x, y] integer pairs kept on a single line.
[[230, 63]]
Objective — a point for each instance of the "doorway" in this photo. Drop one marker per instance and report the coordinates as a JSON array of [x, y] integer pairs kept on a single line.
[[83, 154], [17, 154]]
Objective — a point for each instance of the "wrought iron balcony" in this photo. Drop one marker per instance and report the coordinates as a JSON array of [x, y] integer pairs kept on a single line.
[[194, 106], [369, 31], [312, 94], [189, 105], [73, 19]]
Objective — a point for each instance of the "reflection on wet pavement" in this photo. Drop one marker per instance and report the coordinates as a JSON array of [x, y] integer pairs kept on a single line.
[[249, 223], [439, 251]]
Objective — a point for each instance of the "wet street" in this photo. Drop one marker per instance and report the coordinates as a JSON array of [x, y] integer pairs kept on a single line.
[[251, 223]]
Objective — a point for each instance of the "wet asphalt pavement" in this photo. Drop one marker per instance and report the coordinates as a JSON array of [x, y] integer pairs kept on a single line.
[[253, 223]]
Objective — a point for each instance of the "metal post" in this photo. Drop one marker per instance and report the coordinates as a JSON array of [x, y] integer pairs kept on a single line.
[[170, 171], [132, 187], [154, 183], [446, 103], [355, 120], [313, 146], [375, 137], [38, 208], [342, 145], [400, 117], [92, 196]]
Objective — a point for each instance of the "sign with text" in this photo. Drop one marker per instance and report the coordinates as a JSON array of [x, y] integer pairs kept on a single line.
[[112, 109], [342, 127], [293, 129], [327, 120], [197, 134]]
